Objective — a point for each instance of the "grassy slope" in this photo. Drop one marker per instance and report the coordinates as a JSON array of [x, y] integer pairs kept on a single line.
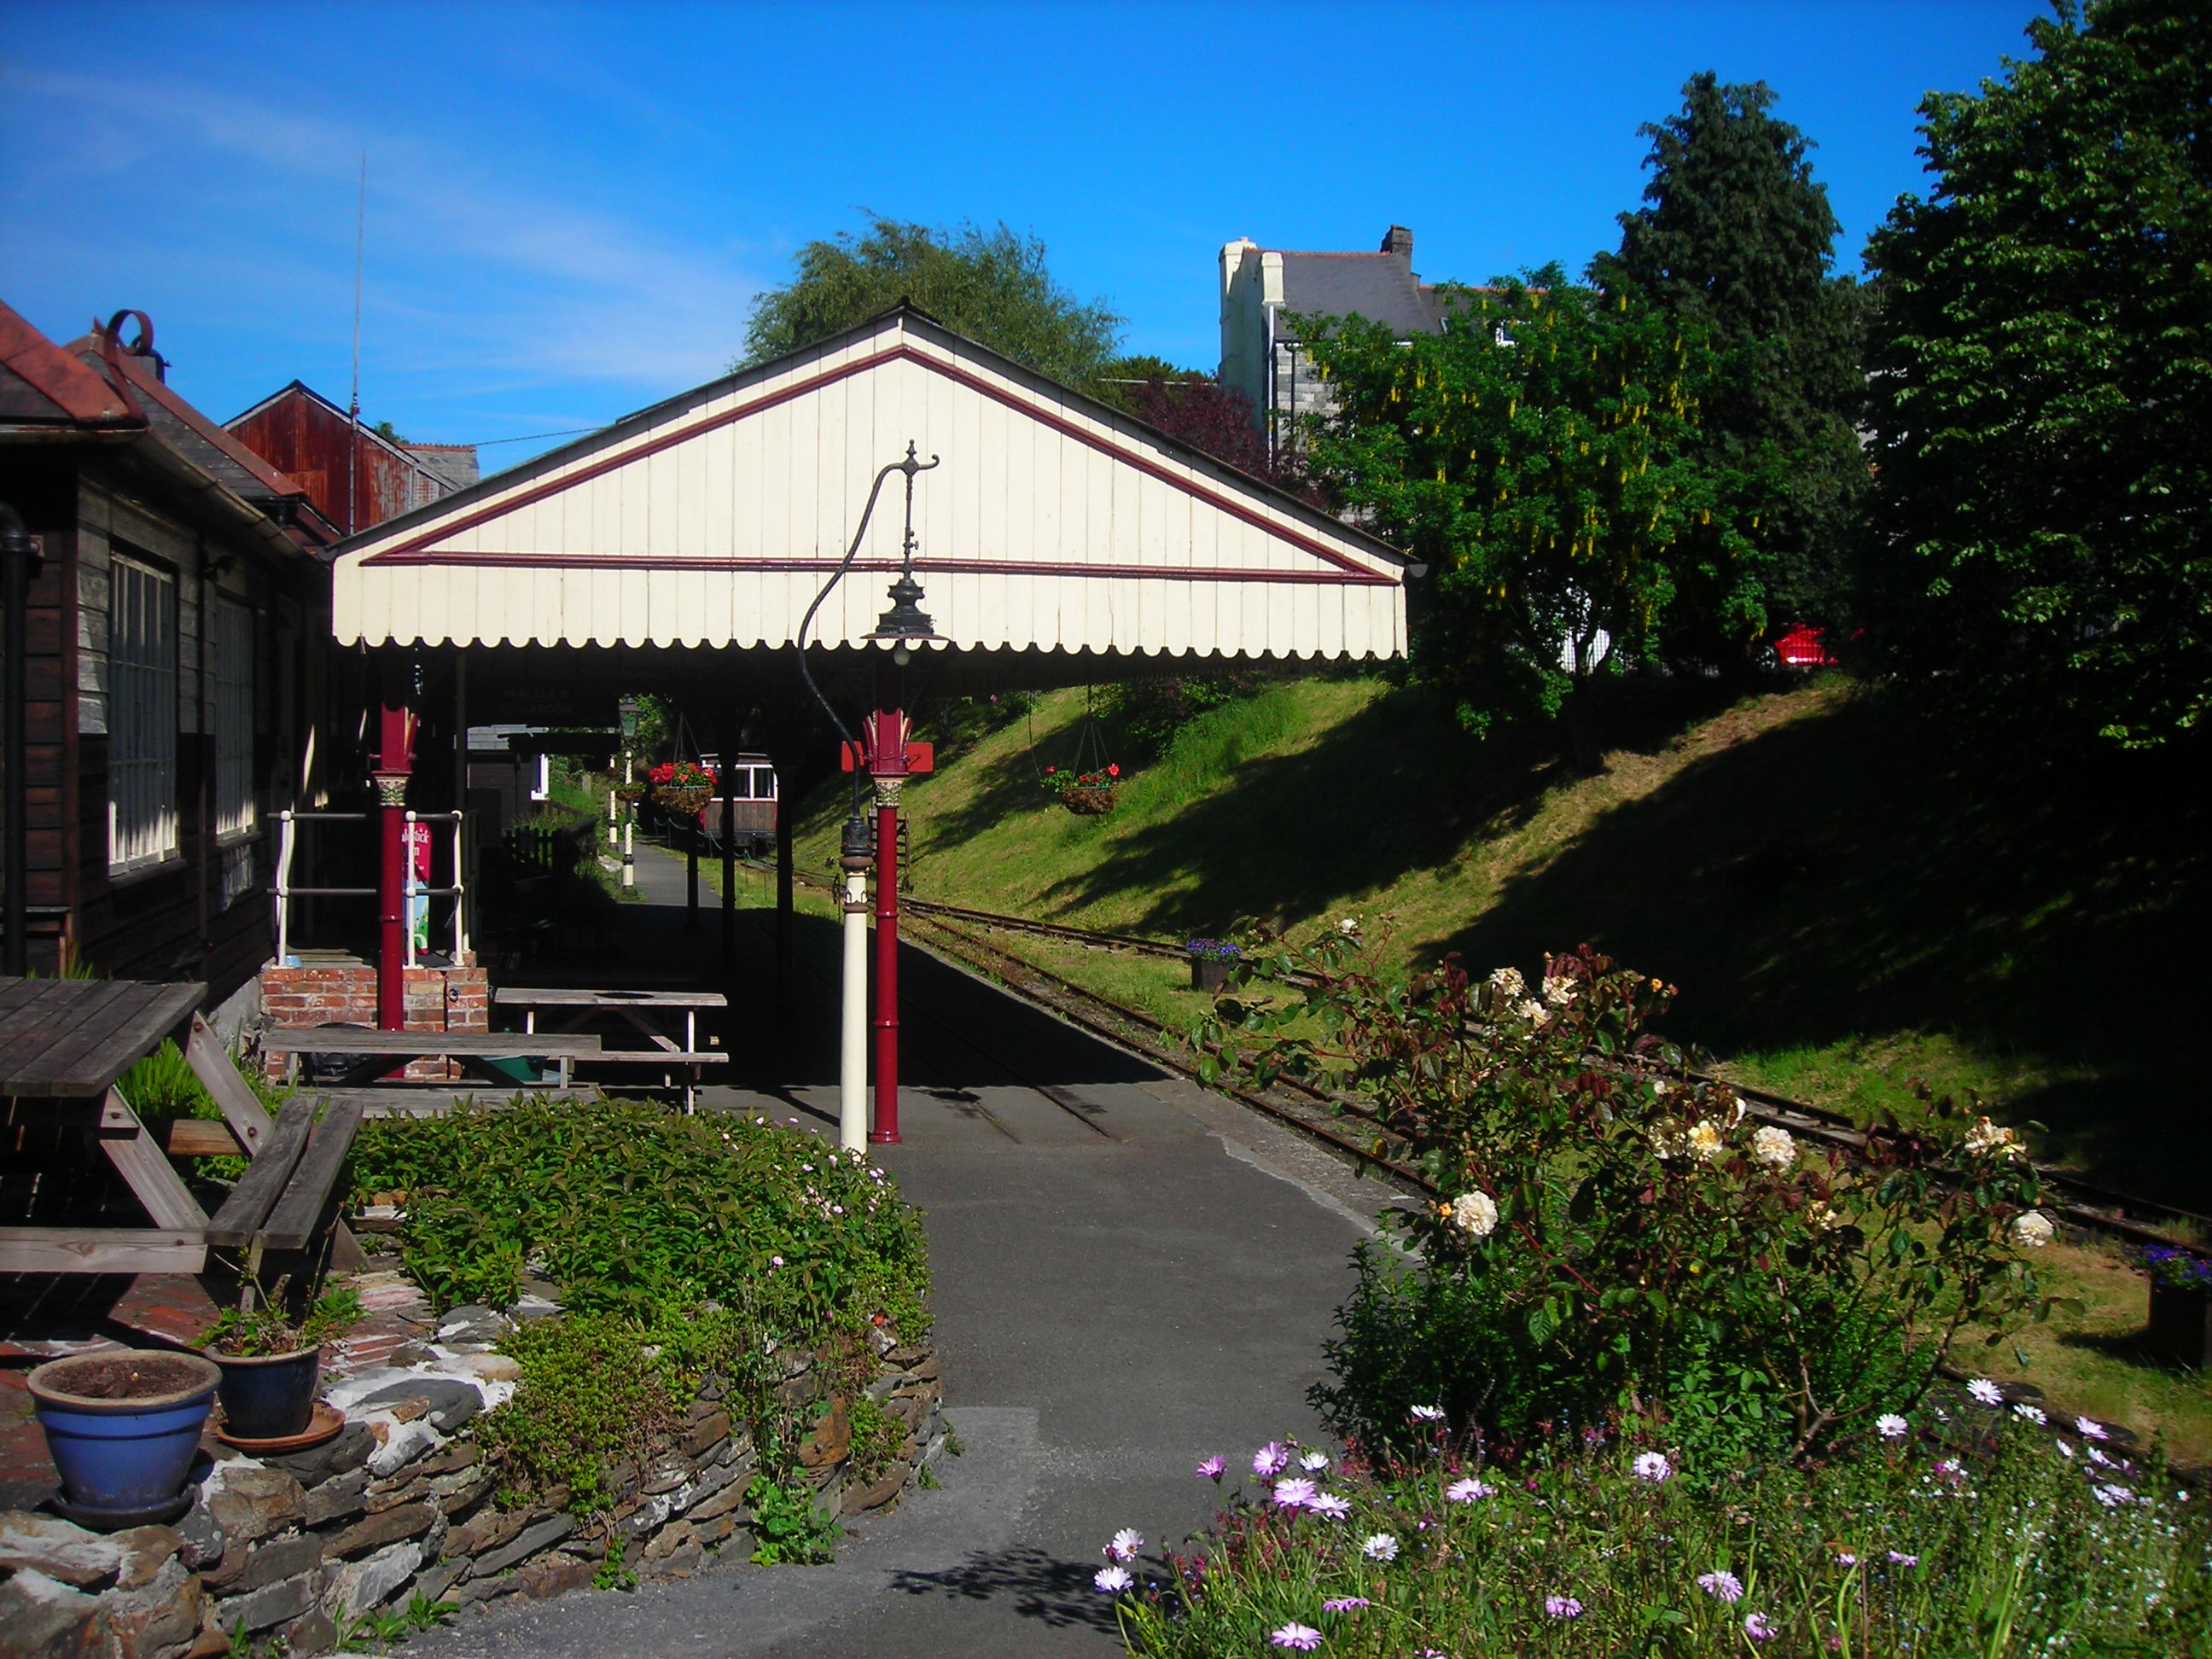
[[1846, 904]]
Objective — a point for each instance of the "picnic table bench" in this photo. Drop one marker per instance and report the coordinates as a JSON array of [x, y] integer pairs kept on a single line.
[[64, 1044], [383, 1051], [573, 1006]]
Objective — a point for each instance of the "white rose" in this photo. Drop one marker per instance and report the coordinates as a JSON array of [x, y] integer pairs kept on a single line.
[[1532, 1011], [1821, 1218], [1667, 1140], [1474, 1215], [1774, 1148], [1988, 1137], [1508, 984], [2031, 1230], [1705, 1143], [1558, 990]]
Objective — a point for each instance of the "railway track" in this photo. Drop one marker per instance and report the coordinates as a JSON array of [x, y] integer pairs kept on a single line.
[[2081, 1203]]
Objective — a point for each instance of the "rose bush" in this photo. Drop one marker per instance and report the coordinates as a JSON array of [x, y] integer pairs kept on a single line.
[[1615, 1234]]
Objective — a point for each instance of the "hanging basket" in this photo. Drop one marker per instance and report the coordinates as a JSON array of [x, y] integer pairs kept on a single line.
[[1088, 802], [681, 800], [632, 792]]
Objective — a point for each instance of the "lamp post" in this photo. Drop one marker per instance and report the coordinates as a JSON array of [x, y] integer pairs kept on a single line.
[[629, 708], [852, 1130]]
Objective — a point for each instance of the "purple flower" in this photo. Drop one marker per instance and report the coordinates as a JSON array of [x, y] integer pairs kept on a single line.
[[1986, 1391], [1466, 1491], [1112, 1580], [1213, 1469], [2028, 1413], [1271, 1459], [1721, 1586], [1380, 1547], [2089, 1428], [1756, 1628], [1345, 1603], [1314, 1462], [1902, 1561], [1295, 1494], [1653, 1467], [1845, 1559], [1330, 1507], [1126, 1542], [1563, 1606], [1304, 1638], [2113, 1497], [1428, 1413], [1890, 1426]]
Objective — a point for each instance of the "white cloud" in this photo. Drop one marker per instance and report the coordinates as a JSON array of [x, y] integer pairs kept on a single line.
[[472, 281]]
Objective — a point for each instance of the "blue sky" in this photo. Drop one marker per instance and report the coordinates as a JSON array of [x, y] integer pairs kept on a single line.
[[570, 207]]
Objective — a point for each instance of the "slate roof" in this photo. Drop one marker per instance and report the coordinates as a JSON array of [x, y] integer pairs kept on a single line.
[[1380, 287]]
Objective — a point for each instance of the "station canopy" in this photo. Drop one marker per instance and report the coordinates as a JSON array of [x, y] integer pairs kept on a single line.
[[1056, 532]]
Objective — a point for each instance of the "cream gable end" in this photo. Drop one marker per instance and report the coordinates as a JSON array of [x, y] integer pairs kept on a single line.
[[1053, 524]]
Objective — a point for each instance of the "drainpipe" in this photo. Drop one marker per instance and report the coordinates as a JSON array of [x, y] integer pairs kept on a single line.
[[19, 554]]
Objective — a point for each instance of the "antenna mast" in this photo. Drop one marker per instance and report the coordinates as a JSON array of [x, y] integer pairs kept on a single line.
[[353, 408]]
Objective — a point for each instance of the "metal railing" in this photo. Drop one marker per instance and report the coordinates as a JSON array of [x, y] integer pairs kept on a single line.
[[412, 888]]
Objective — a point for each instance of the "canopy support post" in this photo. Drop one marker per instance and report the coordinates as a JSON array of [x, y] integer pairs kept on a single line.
[[887, 764], [395, 757]]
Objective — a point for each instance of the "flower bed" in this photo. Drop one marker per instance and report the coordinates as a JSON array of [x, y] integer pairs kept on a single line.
[[738, 1356], [1970, 1528]]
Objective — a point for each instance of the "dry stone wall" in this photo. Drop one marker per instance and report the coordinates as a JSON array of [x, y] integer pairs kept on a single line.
[[402, 1503]]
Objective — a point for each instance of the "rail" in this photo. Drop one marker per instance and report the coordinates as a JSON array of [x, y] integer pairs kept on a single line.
[[414, 889]]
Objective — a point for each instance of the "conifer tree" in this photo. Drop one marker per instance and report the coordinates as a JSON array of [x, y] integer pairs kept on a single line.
[[1736, 235]]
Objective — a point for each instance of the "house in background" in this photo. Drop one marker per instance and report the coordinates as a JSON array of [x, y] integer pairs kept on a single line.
[[182, 684], [1262, 290], [356, 477]]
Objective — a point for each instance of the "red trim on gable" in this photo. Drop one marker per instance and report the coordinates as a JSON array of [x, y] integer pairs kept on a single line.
[[417, 549], [949, 567]]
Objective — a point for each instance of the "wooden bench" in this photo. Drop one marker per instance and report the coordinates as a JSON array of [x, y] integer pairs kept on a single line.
[[384, 1051]]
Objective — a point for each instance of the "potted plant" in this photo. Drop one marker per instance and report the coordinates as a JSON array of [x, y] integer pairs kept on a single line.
[[1086, 795], [2180, 1305], [1212, 962], [123, 1427], [271, 1365]]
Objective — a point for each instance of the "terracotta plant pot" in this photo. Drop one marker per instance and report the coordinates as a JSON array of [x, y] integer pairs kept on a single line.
[[1087, 803], [123, 1427], [269, 1396]]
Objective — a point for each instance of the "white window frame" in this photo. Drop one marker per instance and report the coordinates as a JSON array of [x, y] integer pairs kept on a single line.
[[142, 717], [229, 627]]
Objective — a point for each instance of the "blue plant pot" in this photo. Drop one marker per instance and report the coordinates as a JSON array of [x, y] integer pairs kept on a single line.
[[123, 1425], [268, 1398]]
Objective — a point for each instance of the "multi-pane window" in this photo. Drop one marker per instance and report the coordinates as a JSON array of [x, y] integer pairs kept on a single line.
[[141, 716], [230, 667]]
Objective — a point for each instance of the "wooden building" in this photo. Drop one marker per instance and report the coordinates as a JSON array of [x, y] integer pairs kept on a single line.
[[179, 675]]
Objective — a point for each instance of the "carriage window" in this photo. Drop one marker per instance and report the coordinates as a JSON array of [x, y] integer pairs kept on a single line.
[[763, 783], [741, 782]]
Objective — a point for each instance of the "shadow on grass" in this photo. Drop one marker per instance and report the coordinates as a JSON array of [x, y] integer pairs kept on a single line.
[[1850, 873], [1056, 1593], [1397, 787]]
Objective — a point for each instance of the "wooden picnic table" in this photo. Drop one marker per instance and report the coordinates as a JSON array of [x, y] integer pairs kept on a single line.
[[575, 1005], [64, 1044]]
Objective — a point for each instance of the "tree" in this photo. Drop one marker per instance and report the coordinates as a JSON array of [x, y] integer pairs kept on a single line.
[[1540, 454], [2043, 388], [991, 286], [1736, 235]]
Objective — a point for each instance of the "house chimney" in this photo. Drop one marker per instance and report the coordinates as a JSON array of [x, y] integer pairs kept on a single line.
[[1399, 241]]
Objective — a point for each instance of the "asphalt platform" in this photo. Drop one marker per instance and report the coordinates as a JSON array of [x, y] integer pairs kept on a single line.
[[1131, 1274]]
